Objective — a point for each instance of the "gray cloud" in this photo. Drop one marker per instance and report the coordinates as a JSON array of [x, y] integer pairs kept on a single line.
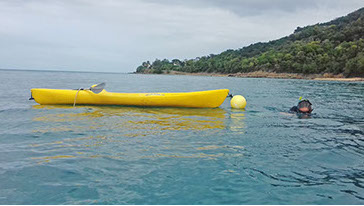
[[262, 7], [116, 35]]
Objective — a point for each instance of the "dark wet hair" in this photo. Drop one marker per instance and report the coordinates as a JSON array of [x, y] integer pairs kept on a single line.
[[305, 104]]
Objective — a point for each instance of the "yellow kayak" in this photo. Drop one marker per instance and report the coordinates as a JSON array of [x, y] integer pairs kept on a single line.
[[211, 98]]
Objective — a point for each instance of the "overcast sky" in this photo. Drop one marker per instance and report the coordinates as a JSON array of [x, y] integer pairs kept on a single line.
[[118, 35]]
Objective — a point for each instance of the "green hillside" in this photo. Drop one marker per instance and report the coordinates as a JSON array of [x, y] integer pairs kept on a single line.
[[335, 47]]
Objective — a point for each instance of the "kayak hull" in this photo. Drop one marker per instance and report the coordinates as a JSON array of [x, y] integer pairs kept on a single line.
[[202, 99]]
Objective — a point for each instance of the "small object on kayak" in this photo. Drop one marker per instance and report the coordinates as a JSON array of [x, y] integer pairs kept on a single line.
[[238, 102], [96, 88], [201, 99]]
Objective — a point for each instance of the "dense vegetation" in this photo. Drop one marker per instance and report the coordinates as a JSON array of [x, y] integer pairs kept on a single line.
[[335, 47]]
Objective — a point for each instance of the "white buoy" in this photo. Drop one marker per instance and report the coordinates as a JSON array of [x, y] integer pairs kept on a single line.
[[238, 102]]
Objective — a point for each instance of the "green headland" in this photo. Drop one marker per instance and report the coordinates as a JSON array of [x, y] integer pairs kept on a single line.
[[333, 49]]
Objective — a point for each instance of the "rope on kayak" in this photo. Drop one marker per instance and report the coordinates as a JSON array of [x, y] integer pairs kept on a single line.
[[97, 88], [74, 102]]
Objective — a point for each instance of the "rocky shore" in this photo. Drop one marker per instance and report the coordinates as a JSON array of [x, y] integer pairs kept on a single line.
[[260, 74]]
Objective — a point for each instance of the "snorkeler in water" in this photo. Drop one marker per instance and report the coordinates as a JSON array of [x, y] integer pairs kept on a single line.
[[303, 107]]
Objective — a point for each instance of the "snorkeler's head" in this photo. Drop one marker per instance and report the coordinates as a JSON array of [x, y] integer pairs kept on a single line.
[[304, 106]]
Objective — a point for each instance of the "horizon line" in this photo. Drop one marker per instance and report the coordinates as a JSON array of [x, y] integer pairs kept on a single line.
[[50, 70]]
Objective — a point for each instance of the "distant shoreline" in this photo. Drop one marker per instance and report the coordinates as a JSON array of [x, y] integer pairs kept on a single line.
[[47, 70], [273, 75]]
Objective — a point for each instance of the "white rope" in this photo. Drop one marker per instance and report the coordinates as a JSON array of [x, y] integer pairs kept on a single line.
[[74, 102]]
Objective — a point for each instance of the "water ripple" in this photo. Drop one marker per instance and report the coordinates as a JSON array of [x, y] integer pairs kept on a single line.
[[134, 155]]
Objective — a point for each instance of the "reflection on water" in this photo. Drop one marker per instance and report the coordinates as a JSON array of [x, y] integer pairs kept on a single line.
[[131, 118], [236, 123], [112, 126]]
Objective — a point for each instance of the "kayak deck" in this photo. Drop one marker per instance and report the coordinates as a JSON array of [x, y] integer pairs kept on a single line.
[[211, 98]]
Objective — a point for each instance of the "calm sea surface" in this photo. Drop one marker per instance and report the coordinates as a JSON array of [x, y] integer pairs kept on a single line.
[[134, 155]]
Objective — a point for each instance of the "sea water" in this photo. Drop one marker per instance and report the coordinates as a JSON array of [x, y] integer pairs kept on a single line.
[[140, 155]]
